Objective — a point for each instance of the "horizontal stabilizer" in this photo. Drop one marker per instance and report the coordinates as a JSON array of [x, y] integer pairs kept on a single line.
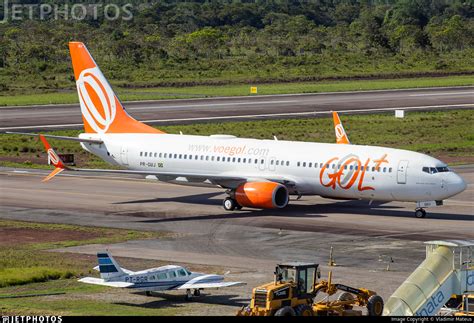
[[210, 285], [99, 281], [90, 141]]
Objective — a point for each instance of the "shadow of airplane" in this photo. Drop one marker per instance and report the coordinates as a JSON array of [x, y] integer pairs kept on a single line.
[[205, 199], [175, 299], [293, 210]]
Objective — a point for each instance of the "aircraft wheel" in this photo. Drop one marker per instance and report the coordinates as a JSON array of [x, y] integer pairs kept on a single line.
[[420, 213], [148, 293], [238, 206], [229, 204], [197, 292]]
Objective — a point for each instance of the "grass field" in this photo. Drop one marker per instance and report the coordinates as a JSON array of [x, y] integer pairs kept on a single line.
[[448, 135], [126, 94], [27, 268]]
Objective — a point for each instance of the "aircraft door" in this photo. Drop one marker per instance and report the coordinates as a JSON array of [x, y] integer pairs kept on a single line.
[[124, 155], [402, 172]]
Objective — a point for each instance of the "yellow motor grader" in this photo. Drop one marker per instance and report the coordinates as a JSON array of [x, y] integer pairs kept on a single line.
[[294, 289]]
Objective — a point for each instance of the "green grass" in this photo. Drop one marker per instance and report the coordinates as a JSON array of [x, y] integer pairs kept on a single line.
[[25, 262], [78, 299], [241, 90], [441, 134]]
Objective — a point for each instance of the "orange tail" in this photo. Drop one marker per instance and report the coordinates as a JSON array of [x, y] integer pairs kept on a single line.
[[341, 137], [54, 158], [101, 109]]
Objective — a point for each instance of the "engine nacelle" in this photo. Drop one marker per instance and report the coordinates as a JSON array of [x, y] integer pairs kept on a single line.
[[262, 195]]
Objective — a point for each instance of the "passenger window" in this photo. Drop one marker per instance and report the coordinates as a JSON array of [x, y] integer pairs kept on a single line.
[[304, 164], [310, 165], [172, 274], [357, 167], [298, 164], [165, 155], [244, 160], [277, 162], [287, 163], [181, 272], [141, 153], [373, 169], [212, 158], [361, 167], [185, 156], [196, 157], [256, 161], [156, 154], [333, 166], [345, 166], [271, 162], [146, 153], [151, 154], [162, 276], [202, 157], [238, 160], [218, 158], [175, 156], [207, 158], [384, 169], [390, 170], [351, 167], [261, 161], [228, 159], [160, 155], [233, 160], [180, 156]]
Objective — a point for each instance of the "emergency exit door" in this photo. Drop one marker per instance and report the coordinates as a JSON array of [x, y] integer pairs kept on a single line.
[[402, 172]]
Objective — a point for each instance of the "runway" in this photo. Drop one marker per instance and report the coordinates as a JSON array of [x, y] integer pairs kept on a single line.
[[249, 242], [52, 117]]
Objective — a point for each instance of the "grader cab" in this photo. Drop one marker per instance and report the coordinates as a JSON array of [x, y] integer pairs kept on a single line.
[[294, 289]]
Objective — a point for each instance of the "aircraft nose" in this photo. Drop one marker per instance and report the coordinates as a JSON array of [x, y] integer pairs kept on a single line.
[[456, 184]]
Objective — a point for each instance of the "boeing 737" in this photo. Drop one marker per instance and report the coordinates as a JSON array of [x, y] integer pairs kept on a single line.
[[255, 173]]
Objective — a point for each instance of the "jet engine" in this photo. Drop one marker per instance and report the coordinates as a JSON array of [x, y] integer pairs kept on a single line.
[[263, 195]]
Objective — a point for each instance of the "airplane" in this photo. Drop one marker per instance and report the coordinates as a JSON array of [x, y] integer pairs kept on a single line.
[[168, 277], [255, 173]]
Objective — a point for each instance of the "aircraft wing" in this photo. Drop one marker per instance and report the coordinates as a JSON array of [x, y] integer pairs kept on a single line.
[[198, 285], [90, 141], [225, 180], [99, 281], [228, 180]]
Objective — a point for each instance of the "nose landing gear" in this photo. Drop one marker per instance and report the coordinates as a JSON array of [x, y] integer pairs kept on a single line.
[[420, 213]]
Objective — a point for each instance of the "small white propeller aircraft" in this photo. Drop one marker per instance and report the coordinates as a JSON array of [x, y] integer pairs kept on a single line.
[[154, 279]]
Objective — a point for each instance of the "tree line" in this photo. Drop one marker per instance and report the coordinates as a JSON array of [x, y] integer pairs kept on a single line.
[[178, 42]]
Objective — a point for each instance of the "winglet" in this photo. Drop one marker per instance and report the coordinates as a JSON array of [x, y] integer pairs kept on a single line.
[[54, 158], [341, 136]]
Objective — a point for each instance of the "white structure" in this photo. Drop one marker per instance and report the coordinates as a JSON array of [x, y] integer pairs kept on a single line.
[[448, 269]]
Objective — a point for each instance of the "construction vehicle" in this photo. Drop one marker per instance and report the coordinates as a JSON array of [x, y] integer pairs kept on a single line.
[[294, 289]]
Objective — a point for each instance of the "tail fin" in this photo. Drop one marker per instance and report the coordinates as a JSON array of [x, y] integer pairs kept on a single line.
[[341, 136], [108, 267], [54, 159], [101, 109]]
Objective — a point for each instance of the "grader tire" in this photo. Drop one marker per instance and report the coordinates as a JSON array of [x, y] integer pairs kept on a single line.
[[375, 305], [346, 297], [285, 311], [304, 310]]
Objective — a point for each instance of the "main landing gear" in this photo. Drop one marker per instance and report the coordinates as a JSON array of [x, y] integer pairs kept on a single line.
[[420, 213], [189, 296], [230, 204]]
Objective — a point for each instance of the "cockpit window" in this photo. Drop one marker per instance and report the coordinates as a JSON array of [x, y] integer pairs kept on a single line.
[[434, 170]]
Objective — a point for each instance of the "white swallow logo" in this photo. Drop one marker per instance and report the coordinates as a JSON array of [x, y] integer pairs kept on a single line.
[[53, 157], [97, 99], [339, 131]]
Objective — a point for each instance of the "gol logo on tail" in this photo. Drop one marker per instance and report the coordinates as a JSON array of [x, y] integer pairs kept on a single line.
[[53, 157], [98, 105], [349, 170]]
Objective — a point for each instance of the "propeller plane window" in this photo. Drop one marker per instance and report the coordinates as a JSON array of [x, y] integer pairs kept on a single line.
[[141, 153]]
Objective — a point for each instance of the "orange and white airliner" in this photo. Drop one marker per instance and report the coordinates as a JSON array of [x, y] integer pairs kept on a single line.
[[255, 173]]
